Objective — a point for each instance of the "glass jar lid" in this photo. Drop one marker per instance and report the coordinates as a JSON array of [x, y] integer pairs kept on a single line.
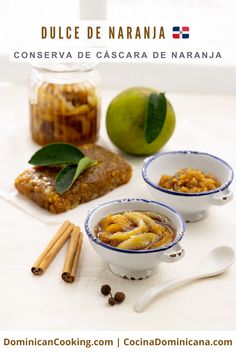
[[65, 67]]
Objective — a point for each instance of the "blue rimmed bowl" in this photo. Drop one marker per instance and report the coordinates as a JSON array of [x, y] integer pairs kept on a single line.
[[133, 264], [193, 206]]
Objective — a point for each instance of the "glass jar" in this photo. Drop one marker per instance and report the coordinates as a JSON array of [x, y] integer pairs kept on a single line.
[[65, 104]]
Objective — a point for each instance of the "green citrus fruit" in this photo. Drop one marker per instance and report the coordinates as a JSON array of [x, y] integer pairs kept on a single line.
[[125, 122]]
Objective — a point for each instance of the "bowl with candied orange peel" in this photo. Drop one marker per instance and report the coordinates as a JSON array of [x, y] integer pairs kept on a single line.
[[189, 181], [134, 235]]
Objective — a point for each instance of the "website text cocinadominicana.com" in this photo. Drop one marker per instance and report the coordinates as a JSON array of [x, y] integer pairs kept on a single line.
[[118, 342]]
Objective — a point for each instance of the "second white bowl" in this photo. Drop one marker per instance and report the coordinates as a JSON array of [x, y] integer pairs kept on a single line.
[[193, 206]]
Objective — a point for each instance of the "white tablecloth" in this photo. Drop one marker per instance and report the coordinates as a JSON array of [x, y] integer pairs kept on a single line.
[[204, 123]]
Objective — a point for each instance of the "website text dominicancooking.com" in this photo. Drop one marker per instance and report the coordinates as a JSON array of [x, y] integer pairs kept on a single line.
[[118, 342]]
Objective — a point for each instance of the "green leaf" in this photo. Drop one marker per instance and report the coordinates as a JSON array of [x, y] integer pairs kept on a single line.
[[68, 175], [83, 165], [156, 116], [56, 154], [64, 178]]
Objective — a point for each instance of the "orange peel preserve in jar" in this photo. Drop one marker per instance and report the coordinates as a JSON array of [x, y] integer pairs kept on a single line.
[[64, 104]]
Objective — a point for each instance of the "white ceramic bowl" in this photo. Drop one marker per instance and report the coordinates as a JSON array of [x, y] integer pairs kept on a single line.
[[134, 264], [193, 206]]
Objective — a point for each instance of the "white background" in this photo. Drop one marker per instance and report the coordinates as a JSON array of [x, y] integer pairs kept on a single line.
[[204, 100], [211, 21]]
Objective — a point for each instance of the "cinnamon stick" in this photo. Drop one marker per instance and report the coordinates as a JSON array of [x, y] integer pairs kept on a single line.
[[52, 248], [72, 257]]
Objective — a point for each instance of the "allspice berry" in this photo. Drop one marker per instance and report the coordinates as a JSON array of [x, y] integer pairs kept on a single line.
[[111, 301], [105, 290], [119, 297]]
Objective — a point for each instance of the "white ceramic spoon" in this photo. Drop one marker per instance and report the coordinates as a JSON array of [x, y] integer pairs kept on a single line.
[[214, 263]]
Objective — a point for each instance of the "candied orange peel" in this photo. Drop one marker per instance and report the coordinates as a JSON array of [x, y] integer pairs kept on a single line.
[[188, 180], [135, 230]]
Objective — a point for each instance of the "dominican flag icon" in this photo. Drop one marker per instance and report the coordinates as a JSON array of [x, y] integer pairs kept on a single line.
[[180, 32]]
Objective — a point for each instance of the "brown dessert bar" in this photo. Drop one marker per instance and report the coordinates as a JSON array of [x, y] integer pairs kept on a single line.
[[38, 183]]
